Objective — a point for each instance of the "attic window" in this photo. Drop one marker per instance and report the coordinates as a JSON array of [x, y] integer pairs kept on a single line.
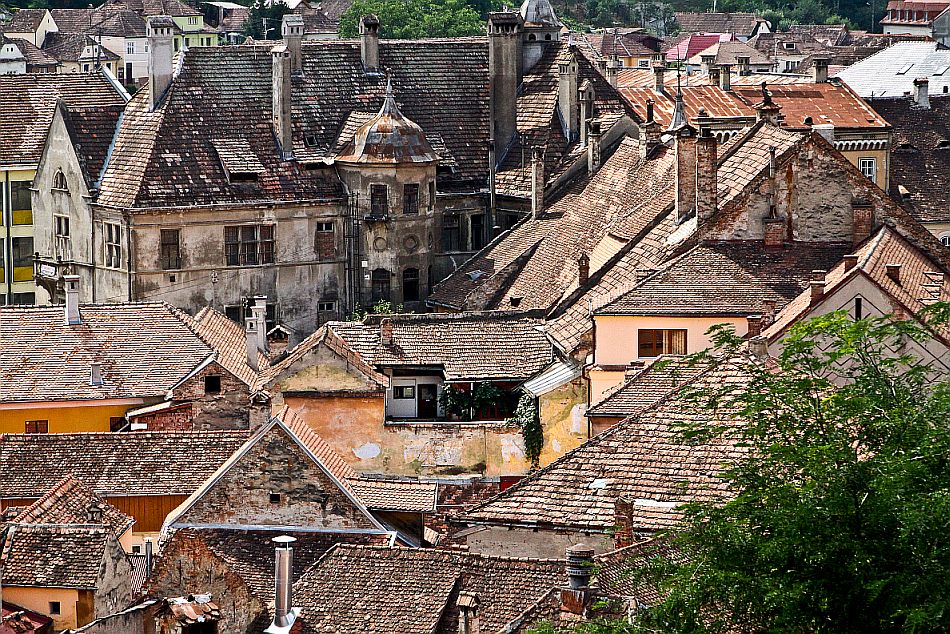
[[59, 181], [239, 161], [808, 121], [310, 140], [789, 46], [212, 384], [905, 147], [275, 498]]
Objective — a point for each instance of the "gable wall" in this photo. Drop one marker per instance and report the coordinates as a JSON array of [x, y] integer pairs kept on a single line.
[[225, 410]]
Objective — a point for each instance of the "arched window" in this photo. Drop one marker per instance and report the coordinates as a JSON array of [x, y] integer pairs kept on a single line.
[[381, 285], [59, 181], [945, 239], [410, 285]]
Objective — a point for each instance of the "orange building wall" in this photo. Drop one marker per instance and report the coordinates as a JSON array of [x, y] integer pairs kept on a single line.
[[63, 419]]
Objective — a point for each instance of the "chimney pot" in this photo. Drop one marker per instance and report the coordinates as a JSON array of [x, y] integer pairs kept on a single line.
[[148, 555], [72, 316], [568, 97], [259, 315], [850, 261], [284, 614], [894, 272], [468, 603], [759, 347], [386, 331], [504, 71], [659, 77], [580, 560], [250, 334], [613, 68], [753, 325], [280, 100], [685, 175], [369, 43], [820, 70], [650, 112]]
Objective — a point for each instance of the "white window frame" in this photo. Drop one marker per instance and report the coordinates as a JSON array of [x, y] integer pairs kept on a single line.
[[113, 250], [868, 167], [130, 48]]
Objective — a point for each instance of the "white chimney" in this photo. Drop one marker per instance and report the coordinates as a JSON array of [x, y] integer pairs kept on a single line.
[[922, 92], [291, 28], [259, 315], [284, 614], [160, 32], [72, 300], [250, 332], [820, 70], [369, 43]]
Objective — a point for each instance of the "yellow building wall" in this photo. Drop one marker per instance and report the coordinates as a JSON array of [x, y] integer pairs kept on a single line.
[[883, 163], [22, 228], [62, 419], [562, 419], [38, 600]]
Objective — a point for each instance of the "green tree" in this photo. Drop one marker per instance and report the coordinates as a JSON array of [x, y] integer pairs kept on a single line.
[[841, 515], [414, 19], [261, 15]]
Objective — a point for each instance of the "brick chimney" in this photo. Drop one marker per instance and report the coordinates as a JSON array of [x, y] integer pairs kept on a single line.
[[725, 76], [767, 110], [291, 28], [160, 33], [850, 261], [587, 108], [685, 177], [819, 71], [862, 222], [577, 596], [284, 614], [773, 230], [817, 285], [280, 101], [467, 604], [583, 269], [568, 97], [649, 131], [504, 72], [369, 43], [922, 93], [753, 325], [706, 176], [537, 181], [659, 77], [386, 331], [594, 147], [72, 316]]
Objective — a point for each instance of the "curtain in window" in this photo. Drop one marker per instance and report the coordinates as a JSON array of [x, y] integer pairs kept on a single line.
[[676, 341]]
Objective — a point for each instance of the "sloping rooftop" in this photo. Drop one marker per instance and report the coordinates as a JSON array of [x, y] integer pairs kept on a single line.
[[641, 460], [621, 42], [71, 502], [34, 56], [92, 131], [174, 8], [647, 387], [827, 34], [824, 103], [736, 23], [114, 463], [730, 52], [891, 72], [50, 556], [384, 590], [76, 47], [920, 154], [229, 339], [143, 350], [30, 101], [727, 278], [25, 21], [693, 45]]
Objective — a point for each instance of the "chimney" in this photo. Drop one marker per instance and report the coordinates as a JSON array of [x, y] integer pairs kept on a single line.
[[72, 317], [767, 110], [593, 147], [768, 312], [862, 222], [504, 72], [369, 43], [759, 347], [95, 374], [291, 28], [280, 101], [850, 261], [613, 68], [706, 172], [284, 614], [649, 131], [753, 325], [259, 315], [825, 131], [773, 230], [386, 331], [567, 97], [468, 603], [893, 273], [576, 597], [159, 30], [659, 74], [819, 72], [817, 284], [587, 108], [714, 73], [725, 77], [251, 339], [744, 66], [537, 180], [922, 93], [685, 177], [583, 269], [148, 556]]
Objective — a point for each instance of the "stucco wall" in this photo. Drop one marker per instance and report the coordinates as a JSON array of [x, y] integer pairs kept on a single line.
[[227, 409], [114, 587], [562, 419], [93, 417], [38, 600], [617, 335]]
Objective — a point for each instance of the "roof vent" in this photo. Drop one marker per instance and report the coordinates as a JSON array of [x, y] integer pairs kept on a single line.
[[894, 272], [95, 377], [474, 275]]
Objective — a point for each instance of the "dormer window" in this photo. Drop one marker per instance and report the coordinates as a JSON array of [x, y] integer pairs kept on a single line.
[[310, 140]]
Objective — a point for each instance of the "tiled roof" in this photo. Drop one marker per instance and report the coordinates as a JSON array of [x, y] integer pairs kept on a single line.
[[621, 42], [648, 387], [174, 8], [70, 502], [382, 590], [396, 495], [921, 280], [229, 339], [827, 34], [641, 459], [783, 44], [489, 345], [891, 71], [92, 131], [30, 101], [741, 163], [737, 23], [140, 572], [74, 20], [717, 103], [117, 23], [825, 103], [920, 154], [113, 463], [692, 45], [639, 77], [34, 56], [615, 570], [730, 52], [143, 350], [919, 13], [25, 21], [727, 278], [234, 21], [71, 47], [50, 556]]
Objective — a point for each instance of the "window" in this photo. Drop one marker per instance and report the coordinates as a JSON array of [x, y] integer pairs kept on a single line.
[[130, 48], [113, 246], [410, 285], [451, 234], [249, 244], [326, 307], [324, 241], [193, 20], [21, 202], [116, 423], [22, 259], [404, 391], [381, 285], [59, 181], [37, 427], [653, 343], [858, 308], [146, 46], [85, 68], [643, 63], [431, 194], [55, 607], [379, 205], [410, 199], [170, 249], [136, 549], [61, 228], [212, 384], [24, 299], [275, 498], [478, 231], [868, 167]]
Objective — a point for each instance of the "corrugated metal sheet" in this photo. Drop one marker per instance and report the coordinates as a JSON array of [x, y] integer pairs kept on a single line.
[[551, 378]]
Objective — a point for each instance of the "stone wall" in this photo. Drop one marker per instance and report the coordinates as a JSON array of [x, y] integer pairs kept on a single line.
[[227, 409], [114, 587]]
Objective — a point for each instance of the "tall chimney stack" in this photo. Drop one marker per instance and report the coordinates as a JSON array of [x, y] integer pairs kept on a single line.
[[250, 336], [160, 33], [537, 180], [725, 77], [148, 556], [583, 269], [567, 97], [612, 70], [587, 108], [369, 43], [504, 72], [922, 93], [259, 315], [594, 147], [659, 77], [706, 176], [291, 28], [280, 100], [468, 603], [685, 176], [386, 331], [284, 614], [820, 70], [72, 317]]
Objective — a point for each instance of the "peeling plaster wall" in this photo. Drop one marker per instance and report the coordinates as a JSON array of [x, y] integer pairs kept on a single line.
[[563, 419]]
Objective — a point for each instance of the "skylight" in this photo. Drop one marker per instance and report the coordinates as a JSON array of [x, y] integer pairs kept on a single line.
[[904, 69]]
